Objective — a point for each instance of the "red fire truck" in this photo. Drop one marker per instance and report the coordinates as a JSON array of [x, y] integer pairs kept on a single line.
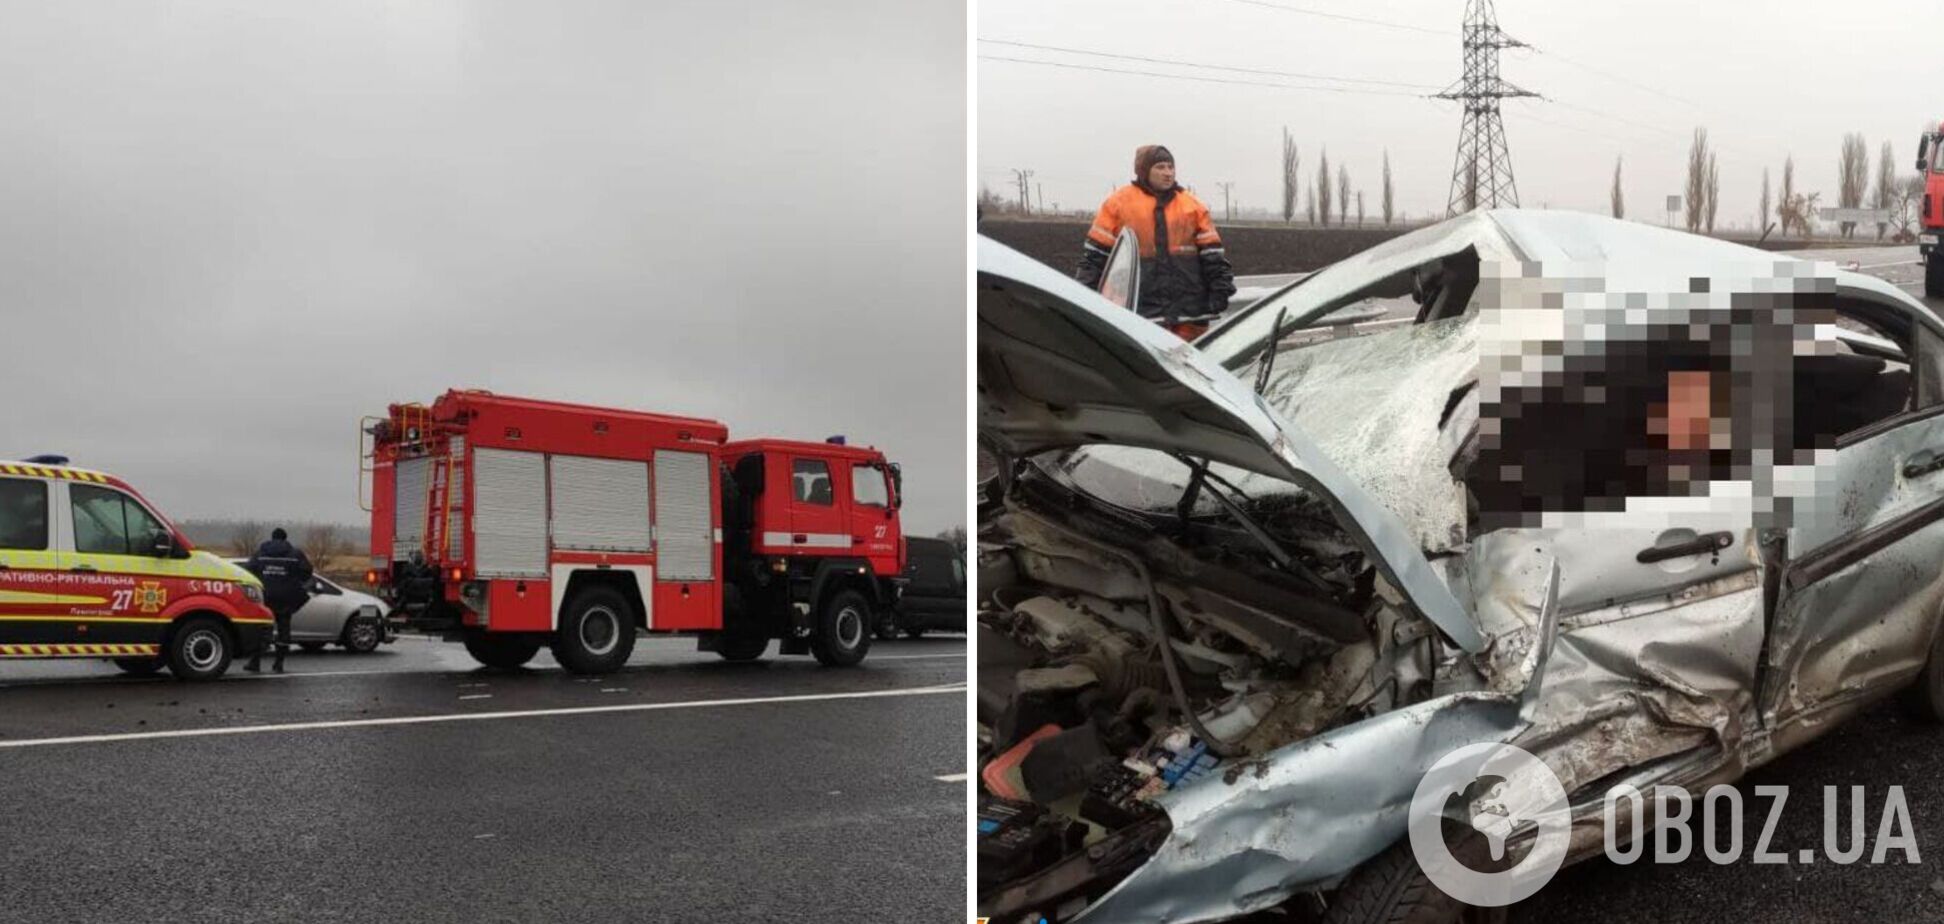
[[511, 523], [1930, 163]]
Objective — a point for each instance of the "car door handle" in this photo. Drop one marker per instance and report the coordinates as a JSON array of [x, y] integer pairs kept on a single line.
[[1924, 462], [1700, 545], [82, 568]]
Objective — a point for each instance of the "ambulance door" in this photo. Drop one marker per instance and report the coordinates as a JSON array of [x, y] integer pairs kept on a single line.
[[816, 521], [873, 530], [34, 607], [114, 564]]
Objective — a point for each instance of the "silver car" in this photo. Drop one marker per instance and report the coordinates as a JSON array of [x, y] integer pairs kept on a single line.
[[338, 615], [1652, 507]]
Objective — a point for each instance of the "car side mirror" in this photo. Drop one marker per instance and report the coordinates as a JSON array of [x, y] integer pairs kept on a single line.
[[162, 544]]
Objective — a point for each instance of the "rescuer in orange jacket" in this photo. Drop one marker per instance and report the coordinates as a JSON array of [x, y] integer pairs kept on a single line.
[[1186, 279]]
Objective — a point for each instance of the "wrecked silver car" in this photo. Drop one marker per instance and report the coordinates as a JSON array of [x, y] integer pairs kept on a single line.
[[1653, 507]]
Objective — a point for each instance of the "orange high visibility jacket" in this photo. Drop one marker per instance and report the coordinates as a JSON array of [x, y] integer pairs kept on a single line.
[[1185, 271]]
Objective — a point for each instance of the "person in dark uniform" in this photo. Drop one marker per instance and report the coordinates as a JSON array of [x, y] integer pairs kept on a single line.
[[286, 574]]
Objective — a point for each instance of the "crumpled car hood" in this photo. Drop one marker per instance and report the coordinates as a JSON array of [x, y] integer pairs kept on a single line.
[[1060, 366]]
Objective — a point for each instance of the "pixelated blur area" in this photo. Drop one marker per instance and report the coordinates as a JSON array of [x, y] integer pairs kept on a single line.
[[1725, 395]]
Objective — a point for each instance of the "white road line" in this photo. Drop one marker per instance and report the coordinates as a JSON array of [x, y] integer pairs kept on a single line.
[[951, 778], [477, 696], [869, 658], [956, 688]]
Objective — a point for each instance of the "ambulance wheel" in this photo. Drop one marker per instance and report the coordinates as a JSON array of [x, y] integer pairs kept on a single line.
[[140, 667], [502, 651], [597, 632], [199, 649], [742, 647], [843, 630]]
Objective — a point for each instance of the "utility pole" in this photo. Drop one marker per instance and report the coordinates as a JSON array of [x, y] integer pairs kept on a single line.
[[1021, 177], [1481, 174], [1228, 211]]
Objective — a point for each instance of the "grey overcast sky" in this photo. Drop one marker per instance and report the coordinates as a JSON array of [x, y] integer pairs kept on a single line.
[[1766, 79], [232, 228]]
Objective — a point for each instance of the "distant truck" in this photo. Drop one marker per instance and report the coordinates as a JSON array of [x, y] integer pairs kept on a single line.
[[513, 524], [934, 591], [1930, 163]]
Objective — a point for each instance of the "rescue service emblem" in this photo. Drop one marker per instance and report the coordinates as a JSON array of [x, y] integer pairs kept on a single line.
[[149, 597]]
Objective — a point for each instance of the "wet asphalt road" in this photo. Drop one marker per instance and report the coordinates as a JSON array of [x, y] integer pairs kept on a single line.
[[824, 802]]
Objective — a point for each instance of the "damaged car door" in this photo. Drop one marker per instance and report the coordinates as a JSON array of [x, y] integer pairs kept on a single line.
[[1860, 587]]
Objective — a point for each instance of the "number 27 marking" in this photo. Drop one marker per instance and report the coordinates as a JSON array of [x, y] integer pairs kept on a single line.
[[123, 600]]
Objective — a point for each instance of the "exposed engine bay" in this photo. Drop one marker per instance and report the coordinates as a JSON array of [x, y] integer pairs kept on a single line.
[[1126, 654]]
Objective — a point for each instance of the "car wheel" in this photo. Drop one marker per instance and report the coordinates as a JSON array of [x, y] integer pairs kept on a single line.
[[843, 630], [199, 649], [596, 633], [362, 635], [742, 647], [141, 667], [312, 647], [505, 652], [1391, 889], [1924, 698]]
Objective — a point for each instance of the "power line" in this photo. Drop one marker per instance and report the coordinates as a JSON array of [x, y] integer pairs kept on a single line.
[[1617, 78], [1212, 67], [1344, 18], [1246, 83]]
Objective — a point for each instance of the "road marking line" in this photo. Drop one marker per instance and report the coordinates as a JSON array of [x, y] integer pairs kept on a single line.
[[614, 689], [954, 688], [868, 658], [951, 778], [477, 696]]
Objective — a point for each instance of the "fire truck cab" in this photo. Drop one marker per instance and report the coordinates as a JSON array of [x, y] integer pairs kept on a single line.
[[512, 524], [1930, 163]]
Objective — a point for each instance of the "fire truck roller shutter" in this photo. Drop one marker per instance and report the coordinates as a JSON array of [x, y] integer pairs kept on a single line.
[[684, 521], [509, 514], [408, 511], [599, 504]]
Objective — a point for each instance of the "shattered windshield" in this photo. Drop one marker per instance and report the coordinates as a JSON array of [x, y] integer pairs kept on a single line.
[[1392, 409]]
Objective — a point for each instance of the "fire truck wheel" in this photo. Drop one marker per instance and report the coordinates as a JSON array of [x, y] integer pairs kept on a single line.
[[843, 630], [597, 632], [742, 647], [140, 667], [503, 652], [199, 649]]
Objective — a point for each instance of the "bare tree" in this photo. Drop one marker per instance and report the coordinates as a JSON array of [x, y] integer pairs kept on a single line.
[[1343, 193], [1714, 190], [1309, 207], [1387, 189], [1619, 201], [1910, 192], [1291, 180], [1852, 174], [1884, 197], [1800, 210], [1783, 211], [1697, 179], [955, 536], [1323, 188], [1762, 217], [1360, 208], [244, 536]]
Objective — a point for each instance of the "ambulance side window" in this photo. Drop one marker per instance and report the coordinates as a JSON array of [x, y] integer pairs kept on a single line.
[[810, 480], [107, 522], [23, 514], [867, 487]]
